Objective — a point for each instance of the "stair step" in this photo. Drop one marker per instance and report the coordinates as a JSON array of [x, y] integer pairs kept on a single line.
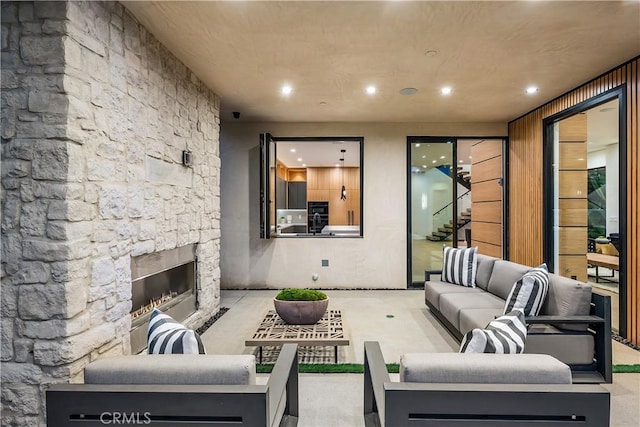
[[447, 227], [445, 230], [439, 234]]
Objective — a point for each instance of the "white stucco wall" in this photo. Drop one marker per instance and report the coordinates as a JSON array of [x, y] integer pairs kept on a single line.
[[378, 260]]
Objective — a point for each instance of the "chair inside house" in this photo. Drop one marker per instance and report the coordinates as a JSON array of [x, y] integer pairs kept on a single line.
[[179, 389]]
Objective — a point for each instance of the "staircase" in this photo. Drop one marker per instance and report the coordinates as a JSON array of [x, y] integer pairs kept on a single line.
[[447, 229]]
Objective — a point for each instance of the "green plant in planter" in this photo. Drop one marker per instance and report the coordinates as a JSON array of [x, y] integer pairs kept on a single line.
[[301, 306], [293, 294]]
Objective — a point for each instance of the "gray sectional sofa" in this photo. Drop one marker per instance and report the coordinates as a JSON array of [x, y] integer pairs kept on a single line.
[[574, 325], [179, 389]]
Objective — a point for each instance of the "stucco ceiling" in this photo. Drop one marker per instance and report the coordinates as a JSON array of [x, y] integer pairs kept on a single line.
[[488, 52]]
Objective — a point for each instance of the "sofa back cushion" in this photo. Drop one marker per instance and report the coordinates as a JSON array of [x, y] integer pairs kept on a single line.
[[483, 272], [504, 275], [173, 369], [483, 368], [567, 297]]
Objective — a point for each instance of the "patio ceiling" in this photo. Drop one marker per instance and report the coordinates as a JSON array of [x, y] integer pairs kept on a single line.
[[329, 52]]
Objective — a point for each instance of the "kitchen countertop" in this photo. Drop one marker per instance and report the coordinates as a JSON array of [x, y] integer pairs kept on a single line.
[[341, 230]]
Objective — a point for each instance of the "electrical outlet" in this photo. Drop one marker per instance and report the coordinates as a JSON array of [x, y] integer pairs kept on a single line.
[[325, 263]]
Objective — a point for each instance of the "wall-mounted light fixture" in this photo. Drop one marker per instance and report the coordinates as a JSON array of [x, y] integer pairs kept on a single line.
[[186, 158]]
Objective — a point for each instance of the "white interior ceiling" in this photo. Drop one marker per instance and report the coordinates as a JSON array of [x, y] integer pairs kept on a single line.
[[318, 153], [488, 52]]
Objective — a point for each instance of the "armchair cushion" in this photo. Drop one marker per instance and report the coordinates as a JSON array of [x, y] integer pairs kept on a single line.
[[174, 369], [483, 368]]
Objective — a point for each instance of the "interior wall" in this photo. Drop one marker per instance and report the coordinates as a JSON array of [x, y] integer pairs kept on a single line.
[[526, 233], [377, 260]]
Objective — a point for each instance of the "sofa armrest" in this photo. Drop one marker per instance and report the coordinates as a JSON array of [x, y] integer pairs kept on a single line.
[[375, 377], [283, 384], [558, 320], [428, 273]]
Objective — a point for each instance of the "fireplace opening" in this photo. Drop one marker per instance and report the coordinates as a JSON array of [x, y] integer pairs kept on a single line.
[[166, 280]]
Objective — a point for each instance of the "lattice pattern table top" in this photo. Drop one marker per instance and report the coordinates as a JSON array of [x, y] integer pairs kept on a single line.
[[329, 330]]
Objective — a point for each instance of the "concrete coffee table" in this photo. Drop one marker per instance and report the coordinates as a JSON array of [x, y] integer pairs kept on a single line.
[[272, 331]]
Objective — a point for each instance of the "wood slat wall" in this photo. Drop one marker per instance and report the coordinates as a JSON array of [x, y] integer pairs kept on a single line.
[[486, 197], [525, 180]]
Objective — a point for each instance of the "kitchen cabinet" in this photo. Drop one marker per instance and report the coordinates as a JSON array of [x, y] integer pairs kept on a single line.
[[297, 195], [344, 212]]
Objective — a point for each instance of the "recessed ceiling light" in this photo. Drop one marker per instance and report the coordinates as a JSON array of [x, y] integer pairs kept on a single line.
[[408, 91], [424, 166], [442, 157], [293, 150], [286, 90], [581, 159], [460, 161], [531, 90], [424, 157], [337, 165], [299, 159], [371, 90], [433, 161], [431, 53], [304, 164], [417, 145], [446, 90]]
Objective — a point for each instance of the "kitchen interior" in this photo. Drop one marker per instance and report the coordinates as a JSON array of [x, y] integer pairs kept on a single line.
[[317, 189]]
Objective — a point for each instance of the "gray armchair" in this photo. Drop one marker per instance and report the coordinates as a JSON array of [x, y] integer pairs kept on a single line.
[[446, 390], [179, 390]]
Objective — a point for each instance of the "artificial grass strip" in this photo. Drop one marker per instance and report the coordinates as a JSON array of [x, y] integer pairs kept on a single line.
[[328, 368], [626, 369], [392, 368]]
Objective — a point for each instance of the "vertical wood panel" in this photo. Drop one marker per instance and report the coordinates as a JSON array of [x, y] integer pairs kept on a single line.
[[525, 182]]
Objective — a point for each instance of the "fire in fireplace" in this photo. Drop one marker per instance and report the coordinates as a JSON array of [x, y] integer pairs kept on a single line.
[[165, 280]]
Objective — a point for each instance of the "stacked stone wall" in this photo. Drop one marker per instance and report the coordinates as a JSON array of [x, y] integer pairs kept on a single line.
[[95, 116]]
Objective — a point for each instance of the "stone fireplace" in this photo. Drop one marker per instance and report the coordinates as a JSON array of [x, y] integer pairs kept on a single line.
[[94, 192], [165, 280]]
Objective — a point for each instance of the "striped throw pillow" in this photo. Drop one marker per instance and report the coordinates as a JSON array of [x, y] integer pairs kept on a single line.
[[505, 335], [529, 292], [167, 336], [459, 266]]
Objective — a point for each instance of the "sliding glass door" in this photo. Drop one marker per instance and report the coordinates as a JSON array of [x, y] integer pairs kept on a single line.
[[454, 198], [585, 200]]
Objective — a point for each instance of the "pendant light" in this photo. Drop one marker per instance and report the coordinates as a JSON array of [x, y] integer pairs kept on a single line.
[[343, 194]]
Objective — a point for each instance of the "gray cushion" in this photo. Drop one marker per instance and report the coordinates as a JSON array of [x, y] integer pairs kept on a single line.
[[504, 275], [433, 290], [483, 368], [485, 267], [472, 318], [174, 369], [451, 304], [572, 348], [567, 297]]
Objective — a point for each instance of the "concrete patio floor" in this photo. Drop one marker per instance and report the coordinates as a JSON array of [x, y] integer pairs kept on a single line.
[[400, 321]]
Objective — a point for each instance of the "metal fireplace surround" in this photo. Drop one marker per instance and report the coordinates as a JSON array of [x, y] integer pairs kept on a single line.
[[166, 280]]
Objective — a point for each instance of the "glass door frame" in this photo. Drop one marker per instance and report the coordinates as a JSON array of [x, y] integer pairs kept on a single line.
[[412, 139], [618, 93]]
